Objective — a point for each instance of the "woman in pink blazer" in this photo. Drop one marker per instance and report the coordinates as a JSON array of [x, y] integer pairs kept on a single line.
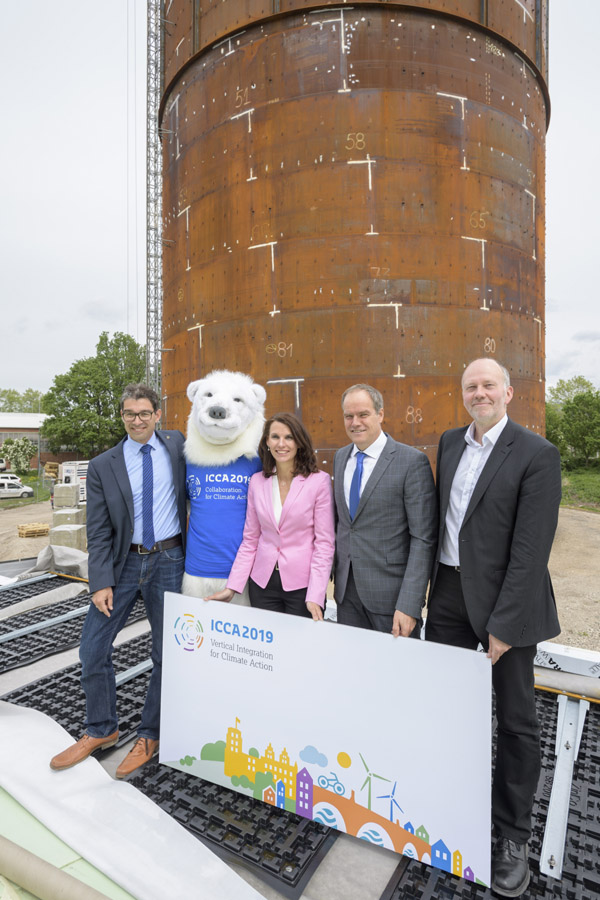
[[288, 544]]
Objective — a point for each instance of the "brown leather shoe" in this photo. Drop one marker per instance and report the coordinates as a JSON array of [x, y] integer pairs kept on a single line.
[[84, 747], [142, 752]]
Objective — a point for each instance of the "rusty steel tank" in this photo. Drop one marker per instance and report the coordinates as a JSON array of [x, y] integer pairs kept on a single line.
[[355, 192]]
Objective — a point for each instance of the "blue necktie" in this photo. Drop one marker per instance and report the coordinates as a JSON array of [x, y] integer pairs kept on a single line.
[[355, 484], [147, 497]]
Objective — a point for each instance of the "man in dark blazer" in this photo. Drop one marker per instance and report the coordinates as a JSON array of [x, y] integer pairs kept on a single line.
[[136, 521], [386, 522], [499, 488]]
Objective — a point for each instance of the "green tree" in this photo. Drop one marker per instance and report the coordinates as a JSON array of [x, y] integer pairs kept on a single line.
[[554, 432], [13, 401], [83, 404], [566, 390], [558, 397], [19, 451], [580, 424]]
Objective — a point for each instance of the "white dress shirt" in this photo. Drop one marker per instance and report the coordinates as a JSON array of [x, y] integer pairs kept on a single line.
[[467, 473], [372, 454], [277, 504]]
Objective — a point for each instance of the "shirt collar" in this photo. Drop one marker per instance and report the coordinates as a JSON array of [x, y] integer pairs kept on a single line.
[[490, 437], [373, 449], [137, 447]]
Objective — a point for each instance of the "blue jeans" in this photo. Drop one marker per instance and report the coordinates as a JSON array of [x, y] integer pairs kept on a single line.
[[149, 575]]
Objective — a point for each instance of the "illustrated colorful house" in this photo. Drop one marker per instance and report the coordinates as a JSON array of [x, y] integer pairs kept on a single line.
[[457, 863], [304, 794], [408, 826], [469, 874], [440, 856], [422, 833], [280, 794], [237, 763], [268, 795]]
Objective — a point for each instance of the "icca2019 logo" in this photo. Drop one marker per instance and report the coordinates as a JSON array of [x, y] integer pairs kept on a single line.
[[188, 632]]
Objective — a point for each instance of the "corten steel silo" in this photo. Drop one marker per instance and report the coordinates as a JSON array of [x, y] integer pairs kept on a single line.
[[355, 193]]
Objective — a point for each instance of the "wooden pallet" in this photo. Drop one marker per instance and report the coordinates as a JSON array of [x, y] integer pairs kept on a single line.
[[33, 529]]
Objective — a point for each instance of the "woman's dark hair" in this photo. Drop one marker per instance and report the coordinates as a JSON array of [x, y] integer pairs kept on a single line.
[[305, 460]]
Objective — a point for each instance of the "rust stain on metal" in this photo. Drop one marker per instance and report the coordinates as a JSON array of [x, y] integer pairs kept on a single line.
[[355, 194]]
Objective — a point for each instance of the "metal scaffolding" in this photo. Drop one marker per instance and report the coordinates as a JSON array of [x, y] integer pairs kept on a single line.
[[153, 201]]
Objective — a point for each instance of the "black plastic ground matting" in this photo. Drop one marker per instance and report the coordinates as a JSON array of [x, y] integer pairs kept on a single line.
[[581, 868], [282, 848], [27, 648], [60, 697], [25, 589]]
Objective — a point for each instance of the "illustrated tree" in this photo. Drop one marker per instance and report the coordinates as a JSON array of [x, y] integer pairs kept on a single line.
[[83, 404], [19, 451]]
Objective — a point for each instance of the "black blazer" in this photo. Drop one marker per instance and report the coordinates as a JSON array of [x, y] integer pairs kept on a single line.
[[110, 508], [506, 536]]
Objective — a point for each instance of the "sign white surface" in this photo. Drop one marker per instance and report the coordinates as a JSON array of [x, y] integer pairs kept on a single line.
[[387, 739]]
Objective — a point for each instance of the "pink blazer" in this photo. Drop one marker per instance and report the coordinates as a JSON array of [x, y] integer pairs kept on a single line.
[[302, 544]]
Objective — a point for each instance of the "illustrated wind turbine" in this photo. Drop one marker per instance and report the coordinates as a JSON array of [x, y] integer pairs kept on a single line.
[[368, 779], [393, 801]]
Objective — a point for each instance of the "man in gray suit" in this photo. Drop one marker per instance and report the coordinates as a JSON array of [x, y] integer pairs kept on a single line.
[[136, 521], [386, 512], [499, 489]]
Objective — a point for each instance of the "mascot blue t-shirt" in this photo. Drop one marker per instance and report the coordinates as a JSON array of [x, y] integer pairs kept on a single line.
[[218, 496]]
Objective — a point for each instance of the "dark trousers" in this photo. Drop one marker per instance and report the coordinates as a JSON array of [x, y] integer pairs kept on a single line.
[[352, 611], [518, 739], [150, 575], [273, 597]]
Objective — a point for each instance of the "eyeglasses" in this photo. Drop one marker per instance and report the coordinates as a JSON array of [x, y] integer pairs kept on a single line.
[[145, 415]]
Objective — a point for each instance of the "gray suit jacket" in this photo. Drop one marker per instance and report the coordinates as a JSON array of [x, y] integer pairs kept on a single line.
[[391, 541], [506, 535], [110, 508]]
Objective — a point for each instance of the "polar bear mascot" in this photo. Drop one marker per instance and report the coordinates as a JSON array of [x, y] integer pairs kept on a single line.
[[224, 428]]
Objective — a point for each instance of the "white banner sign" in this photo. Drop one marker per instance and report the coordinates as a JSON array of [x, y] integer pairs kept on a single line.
[[386, 739]]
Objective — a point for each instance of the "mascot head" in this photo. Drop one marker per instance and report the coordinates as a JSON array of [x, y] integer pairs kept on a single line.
[[226, 418]]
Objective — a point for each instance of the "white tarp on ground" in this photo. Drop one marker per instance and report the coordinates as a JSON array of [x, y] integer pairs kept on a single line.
[[58, 559], [109, 823]]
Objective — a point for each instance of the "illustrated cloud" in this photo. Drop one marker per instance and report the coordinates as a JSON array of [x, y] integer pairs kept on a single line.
[[310, 754]]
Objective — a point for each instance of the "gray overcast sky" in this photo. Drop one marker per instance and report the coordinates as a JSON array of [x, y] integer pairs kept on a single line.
[[72, 251]]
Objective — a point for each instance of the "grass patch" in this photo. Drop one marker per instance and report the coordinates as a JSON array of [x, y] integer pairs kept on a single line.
[[581, 488], [41, 491]]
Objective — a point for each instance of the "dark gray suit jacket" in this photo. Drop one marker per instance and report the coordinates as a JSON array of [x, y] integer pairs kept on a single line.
[[391, 541], [506, 535], [110, 508]]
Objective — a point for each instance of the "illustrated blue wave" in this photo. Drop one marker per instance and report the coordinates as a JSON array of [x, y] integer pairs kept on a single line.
[[372, 836], [327, 817]]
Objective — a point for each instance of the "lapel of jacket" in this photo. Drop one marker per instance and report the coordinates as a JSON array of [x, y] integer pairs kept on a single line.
[[387, 454], [452, 455], [296, 488], [117, 462], [341, 459], [497, 457]]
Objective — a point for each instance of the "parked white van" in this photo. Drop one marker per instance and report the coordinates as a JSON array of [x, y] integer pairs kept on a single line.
[[14, 489], [9, 476]]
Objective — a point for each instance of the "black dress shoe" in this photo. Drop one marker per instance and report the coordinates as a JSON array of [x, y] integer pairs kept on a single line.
[[510, 868]]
